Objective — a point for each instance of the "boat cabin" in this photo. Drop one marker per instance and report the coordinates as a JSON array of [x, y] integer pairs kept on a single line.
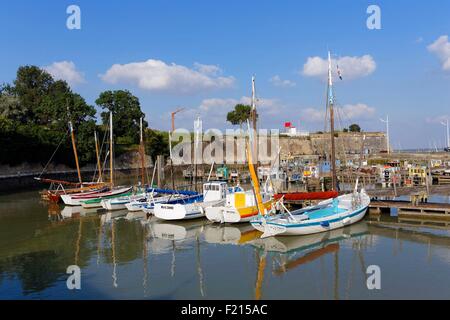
[[213, 191]]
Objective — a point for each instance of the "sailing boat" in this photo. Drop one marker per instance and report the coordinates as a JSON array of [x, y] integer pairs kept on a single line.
[[57, 188], [214, 194], [119, 203], [327, 215], [241, 206], [92, 200]]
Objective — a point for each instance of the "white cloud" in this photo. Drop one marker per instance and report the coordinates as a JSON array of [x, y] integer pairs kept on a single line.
[[313, 115], [438, 119], [441, 48], [208, 69], [350, 67], [359, 111], [65, 70], [156, 75], [278, 82]]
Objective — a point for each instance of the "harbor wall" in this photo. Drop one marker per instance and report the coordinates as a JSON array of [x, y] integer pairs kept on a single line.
[[312, 146], [346, 142]]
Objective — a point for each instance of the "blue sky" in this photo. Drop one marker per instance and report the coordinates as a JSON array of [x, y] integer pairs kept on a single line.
[[217, 46]]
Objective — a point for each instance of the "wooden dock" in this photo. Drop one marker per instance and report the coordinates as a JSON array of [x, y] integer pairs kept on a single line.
[[424, 210], [406, 191]]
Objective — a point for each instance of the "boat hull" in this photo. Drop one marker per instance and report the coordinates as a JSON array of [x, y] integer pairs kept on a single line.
[[314, 228], [119, 203], [229, 214], [95, 201], [178, 211], [345, 214], [149, 207]]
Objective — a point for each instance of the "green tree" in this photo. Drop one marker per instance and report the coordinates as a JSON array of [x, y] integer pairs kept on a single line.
[[31, 86], [61, 105], [156, 143], [354, 128], [240, 114], [126, 111], [10, 107], [34, 115]]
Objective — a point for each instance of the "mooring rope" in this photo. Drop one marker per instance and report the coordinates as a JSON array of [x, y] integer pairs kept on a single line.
[[51, 158]]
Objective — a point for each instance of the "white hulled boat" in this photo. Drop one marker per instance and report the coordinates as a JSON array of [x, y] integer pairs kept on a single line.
[[214, 194]]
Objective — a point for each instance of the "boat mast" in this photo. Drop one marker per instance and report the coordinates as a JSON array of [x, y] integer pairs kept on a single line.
[[111, 155], [142, 154], [100, 178], [75, 151], [253, 117], [254, 177], [330, 104], [197, 133]]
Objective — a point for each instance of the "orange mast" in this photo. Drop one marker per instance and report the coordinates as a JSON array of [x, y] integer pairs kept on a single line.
[[75, 151], [255, 181], [100, 178]]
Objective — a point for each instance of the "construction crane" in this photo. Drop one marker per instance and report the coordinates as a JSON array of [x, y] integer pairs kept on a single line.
[[173, 113]]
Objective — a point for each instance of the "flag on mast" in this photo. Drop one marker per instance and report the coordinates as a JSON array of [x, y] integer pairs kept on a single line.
[[339, 72]]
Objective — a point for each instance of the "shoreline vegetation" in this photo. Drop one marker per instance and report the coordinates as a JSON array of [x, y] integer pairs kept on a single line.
[[34, 113]]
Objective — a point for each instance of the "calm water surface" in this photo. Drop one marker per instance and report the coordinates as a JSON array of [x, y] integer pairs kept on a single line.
[[125, 256]]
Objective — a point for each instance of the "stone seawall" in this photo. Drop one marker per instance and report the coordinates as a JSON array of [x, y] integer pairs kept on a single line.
[[23, 176]]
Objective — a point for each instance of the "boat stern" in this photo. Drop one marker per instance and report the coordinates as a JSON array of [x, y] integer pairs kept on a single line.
[[215, 214], [170, 211]]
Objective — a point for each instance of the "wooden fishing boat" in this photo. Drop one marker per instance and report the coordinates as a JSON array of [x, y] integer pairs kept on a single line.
[[62, 187], [96, 202], [77, 199], [327, 215], [54, 195], [119, 203]]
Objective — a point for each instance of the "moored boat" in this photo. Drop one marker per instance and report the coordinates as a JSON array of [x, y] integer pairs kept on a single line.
[[214, 194], [327, 215], [96, 200], [78, 198], [239, 207]]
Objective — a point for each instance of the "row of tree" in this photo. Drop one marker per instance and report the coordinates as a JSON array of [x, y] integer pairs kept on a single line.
[[35, 110]]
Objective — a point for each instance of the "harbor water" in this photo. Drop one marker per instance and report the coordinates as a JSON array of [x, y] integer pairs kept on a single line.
[[127, 256]]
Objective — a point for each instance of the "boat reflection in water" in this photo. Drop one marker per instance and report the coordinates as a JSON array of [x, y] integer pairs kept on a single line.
[[129, 256], [72, 212], [237, 234], [177, 232], [110, 216], [311, 242], [292, 252]]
